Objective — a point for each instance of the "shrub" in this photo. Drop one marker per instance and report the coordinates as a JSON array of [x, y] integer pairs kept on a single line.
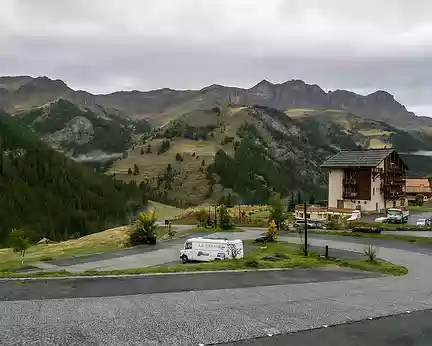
[[419, 199], [371, 253], [143, 231], [202, 216], [179, 157], [252, 263], [130, 171], [142, 151]]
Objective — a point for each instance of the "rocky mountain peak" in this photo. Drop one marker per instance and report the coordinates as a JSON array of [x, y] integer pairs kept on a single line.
[[44, 84]]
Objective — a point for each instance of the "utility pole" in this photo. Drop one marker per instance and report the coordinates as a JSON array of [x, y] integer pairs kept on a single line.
[[306, 228]]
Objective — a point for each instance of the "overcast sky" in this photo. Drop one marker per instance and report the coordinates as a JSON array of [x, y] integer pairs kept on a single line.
[[108, 45]]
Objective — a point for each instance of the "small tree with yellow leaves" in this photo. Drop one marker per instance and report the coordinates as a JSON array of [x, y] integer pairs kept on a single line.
[[272, 231]]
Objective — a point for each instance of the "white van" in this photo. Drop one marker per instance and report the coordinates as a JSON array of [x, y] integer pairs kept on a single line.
[[211, 249]]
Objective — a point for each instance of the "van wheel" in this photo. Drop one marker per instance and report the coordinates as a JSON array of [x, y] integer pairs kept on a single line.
[[184, 259], [217, 259]]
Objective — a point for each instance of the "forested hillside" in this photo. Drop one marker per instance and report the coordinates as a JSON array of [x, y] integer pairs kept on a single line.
[[49, 195], [82, 133]]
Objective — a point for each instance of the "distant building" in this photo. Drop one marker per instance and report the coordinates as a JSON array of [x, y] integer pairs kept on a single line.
[[369, 180], [416, 187], [321, 213]]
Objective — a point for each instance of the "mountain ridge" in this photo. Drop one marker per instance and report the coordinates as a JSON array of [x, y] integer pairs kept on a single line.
[[162, 105]]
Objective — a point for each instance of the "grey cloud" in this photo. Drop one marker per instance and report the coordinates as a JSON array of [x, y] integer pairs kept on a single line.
[[106, 45]]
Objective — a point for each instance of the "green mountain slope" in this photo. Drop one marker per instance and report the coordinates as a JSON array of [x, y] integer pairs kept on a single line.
[[253, 152], [49, 195]]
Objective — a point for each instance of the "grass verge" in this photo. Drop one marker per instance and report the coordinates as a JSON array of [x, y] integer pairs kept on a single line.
[[281, 255], [420, 208], [404, 238], [379, 267]]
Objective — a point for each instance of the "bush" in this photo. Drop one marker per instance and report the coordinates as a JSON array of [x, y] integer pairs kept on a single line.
[[419, 199], [252, 263], [202, 216], [143, 230], [371, 253], [179, 157], [165, 145]]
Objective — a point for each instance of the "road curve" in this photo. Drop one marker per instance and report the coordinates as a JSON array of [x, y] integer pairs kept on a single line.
[[221, 315]]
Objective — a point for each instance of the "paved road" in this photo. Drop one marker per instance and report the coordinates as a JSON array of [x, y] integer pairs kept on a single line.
[[121, 286], [220, 315], [400, 330]]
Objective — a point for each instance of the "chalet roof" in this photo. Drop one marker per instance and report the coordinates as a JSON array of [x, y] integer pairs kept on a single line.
[[357, 158], [418, 186]]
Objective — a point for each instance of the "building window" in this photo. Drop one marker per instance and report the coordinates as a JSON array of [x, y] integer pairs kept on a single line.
[[373, 192]]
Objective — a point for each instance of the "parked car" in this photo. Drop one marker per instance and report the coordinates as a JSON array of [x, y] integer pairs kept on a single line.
[[424, 222], [310, 224]]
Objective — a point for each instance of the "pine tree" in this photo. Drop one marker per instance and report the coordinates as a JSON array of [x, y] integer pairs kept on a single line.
[[311, 199], [291, 203], [135, 169], [299, 198]]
